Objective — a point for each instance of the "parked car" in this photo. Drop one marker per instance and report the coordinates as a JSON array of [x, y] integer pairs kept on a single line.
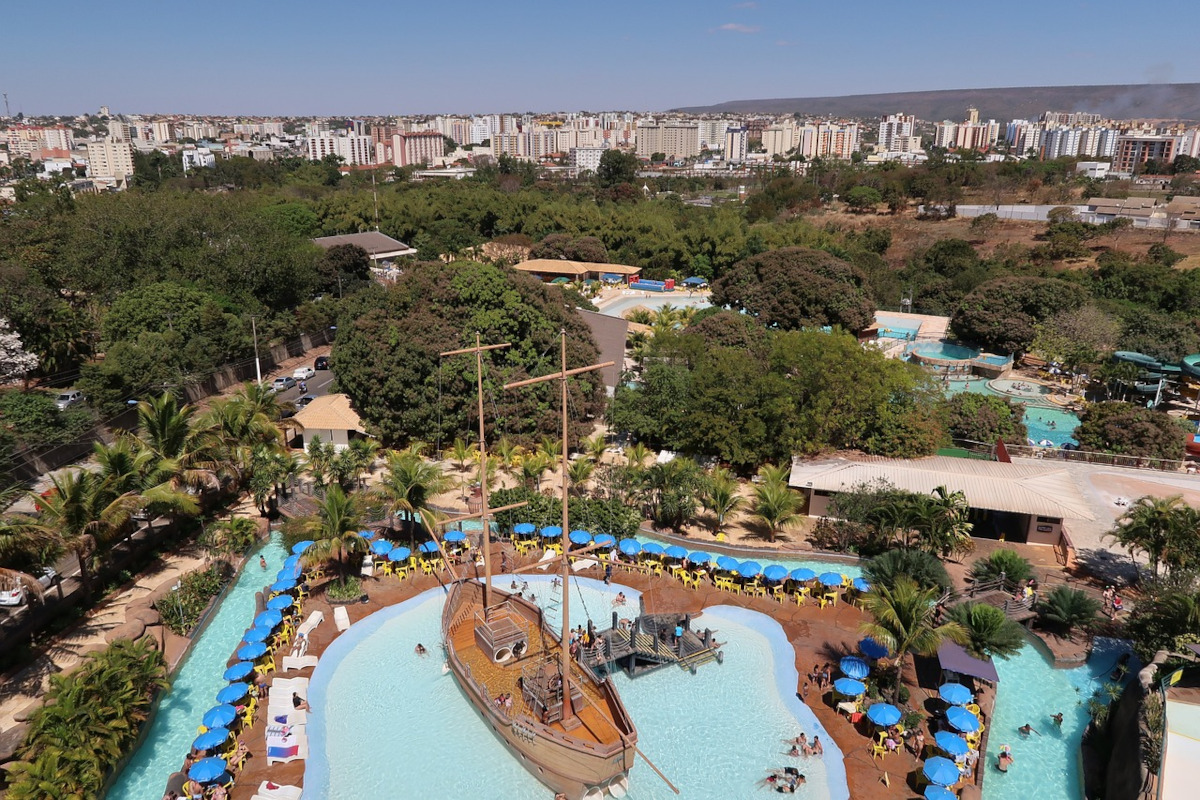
[[303, 373], [283, 383], [15, 595], [303, 401], [322, 362], [68, 398]]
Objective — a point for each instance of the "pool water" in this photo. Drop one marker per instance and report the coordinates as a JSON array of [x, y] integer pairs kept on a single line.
[[715, 733], [679, 298], [1038, 417], [194, 687], [1031, 689], [944, 350]]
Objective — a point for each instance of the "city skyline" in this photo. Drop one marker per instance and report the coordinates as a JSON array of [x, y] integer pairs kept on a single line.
[[473, 59]]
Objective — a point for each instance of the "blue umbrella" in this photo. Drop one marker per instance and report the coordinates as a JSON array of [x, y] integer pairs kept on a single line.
[[282, 602], [291, 573], [872, 649], [428, 547], [952, 743], [252, 651], [728, 563], [630, 547], [854, 667], [219, 716], [368, 534], [268, 619], [775, 572], [699, 557], [381, 547], [604, 540], [849, 687], [675, 551], [962, 720], [454, 536], [300, 547], [524, 528], [955, 694], [935, 792], [831, 579], [748, 569], [213, 737], [207, 770], [551, 532], [291, 561], [802, 574], [233, 692], [653, 548], [399, 554], [256, 634], [283, 585], [237, 672], [941, 771], [579, 537], [883, 714], [861, 585]]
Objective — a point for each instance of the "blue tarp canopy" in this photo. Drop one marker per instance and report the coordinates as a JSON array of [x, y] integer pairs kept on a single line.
[[291, 561], [381, 547], [955, 694], [849, 687], [300, 547], [699, 557], [694, 281], [830, 579], [428, 547], [872, 649], [268, 619], [727, 563], [854, 667], [749, 569], [802, 574], [775, 572], [524, 528], [282, 602], [213, 737], [630, 547], [941, 771], [233, 692], [291, 573], [237, 672], [883, 714], [454, 536], [219, 716], [605, 540], [579, 537], [952, 743], [962, 720], [551, 532], [653, 548], [250, 652], [208, 770], [399, 554], [675, 551]]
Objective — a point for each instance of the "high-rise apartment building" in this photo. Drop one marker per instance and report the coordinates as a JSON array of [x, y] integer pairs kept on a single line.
[[674, 139], [353, 148], [895, 133], [586, 159], [422, 147], [110, 158], [1133, 151], [736, 142], [712, 133], [162, 131]]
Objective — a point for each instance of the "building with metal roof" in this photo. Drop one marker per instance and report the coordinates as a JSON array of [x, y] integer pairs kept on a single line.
[[379, 246], [549, 268], [1020, 502]]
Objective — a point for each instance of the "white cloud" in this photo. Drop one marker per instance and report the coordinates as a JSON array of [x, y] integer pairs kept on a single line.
[[737, 27]]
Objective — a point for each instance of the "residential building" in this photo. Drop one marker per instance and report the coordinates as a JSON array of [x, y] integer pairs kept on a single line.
[[895, 133], [1133, 151], [423, 147], [194, 158], [110, 158], [353, 148], [712, 133], [162, 132], [586, 159], [674, 139], [736, 141]]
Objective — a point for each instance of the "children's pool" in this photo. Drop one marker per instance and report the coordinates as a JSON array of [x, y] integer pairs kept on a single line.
[[1047, 766], [389, 723], [194, 687]]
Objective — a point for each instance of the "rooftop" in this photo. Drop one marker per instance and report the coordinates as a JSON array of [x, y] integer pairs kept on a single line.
[[329, 412], [578, 268], [377, 245]]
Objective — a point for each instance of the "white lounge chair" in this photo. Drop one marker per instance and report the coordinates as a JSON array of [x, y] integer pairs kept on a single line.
[[583, 563], [341, 618], [295, 744], [280, 792], [314, 619], [545, 560], [290, 663]]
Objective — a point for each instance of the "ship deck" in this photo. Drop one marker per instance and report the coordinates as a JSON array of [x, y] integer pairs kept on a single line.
[[502, 679]]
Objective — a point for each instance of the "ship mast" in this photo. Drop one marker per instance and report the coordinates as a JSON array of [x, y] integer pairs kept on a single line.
[[568, 712], [485, 516]]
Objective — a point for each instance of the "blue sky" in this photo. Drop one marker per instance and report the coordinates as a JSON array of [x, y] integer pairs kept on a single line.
[[408, 56]]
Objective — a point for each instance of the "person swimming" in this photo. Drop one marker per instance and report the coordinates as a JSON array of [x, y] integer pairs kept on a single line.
[[1027, 729], [1005, 759]]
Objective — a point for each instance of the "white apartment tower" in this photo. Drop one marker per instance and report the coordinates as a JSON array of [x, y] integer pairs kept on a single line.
[[735, 145], [110, 158], [895, 133], [353, 148]]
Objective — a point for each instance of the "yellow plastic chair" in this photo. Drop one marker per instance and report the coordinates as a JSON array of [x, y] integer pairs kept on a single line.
[[701, 576], [721, 536], [832, 597], [427, 567], [388, 569], [973, 708], [823, 600], [799, 598], [779, 594], [878, 751]]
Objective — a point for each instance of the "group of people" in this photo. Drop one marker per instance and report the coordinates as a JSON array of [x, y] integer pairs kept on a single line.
[[1027, 593], [800, 746], [1113, 604], [504, 701], [822, 676], [785, 781]]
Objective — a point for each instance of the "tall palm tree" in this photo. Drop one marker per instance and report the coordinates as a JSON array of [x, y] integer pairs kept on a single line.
[[774, 473], [234, 427], [719, 494], [941, 522], [1152, 525], [334, 531], [533, 467], [903, 621], [505, 453], [551, 448], [132, 473], [318, 459], [989, 630], [580, 472], [460, 453], [407, 487], [168, 430], [637, 454], [777, 506], [595, 447]]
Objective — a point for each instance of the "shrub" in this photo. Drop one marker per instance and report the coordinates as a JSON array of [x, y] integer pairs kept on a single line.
[[349, 588], [924, 568], [1067, 609], [989, 631], [1009, 563], [181, 609]]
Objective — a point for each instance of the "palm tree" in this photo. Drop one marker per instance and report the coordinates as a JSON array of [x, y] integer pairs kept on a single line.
[[1155, 526], [925, 569], [637, 454], [595, 447], [989, 631], [772, 473], [408, 485], [533, 467], [579, 472], [334, 529], [673, 490], [719, 494], [319, 460], [460, 453], [941, 522], [506, 454], [168, 431], [551, 448], [903, 622], [130, 471], [233, 536], [234, 427], [777, 506], [640, 316], [1009, 564], [1068, 609]]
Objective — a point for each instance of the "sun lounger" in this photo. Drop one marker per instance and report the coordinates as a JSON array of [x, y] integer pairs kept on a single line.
[[280, 792], [546, 558], [286, 743], [341, 618], [314, 619], [583, 563], [297, 662], [286, 715]]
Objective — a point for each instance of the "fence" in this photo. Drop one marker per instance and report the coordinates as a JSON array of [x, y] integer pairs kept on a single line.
[[1079, 456]]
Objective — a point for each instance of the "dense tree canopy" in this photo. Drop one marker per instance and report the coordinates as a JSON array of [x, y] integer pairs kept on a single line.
[[1002, 315], [797, 287], [1131, 430], [984, 418], [388, 344]]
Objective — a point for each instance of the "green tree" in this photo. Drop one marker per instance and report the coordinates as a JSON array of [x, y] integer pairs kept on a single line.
[[1069, 609], [777, 506], [990, 632], [863, 198], [1002, 315], [719, 494], [925, 569], [984, 418], [1009, 564], [334, 531], [1130, 430], [903, 622], [1164, 529], [673, 490], [407, 488], [616, 167]]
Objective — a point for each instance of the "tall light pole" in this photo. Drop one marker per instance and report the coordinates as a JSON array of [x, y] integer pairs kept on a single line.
[[257, 365]]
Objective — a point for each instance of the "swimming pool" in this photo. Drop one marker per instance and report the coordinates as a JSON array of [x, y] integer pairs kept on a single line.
[[944, 350], [426, 741], [1043, 422], [1047, 766], [194, 687], [654, 302]]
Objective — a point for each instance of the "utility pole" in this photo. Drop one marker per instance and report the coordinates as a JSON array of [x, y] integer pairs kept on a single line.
[[7, 112], [257, 365]]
